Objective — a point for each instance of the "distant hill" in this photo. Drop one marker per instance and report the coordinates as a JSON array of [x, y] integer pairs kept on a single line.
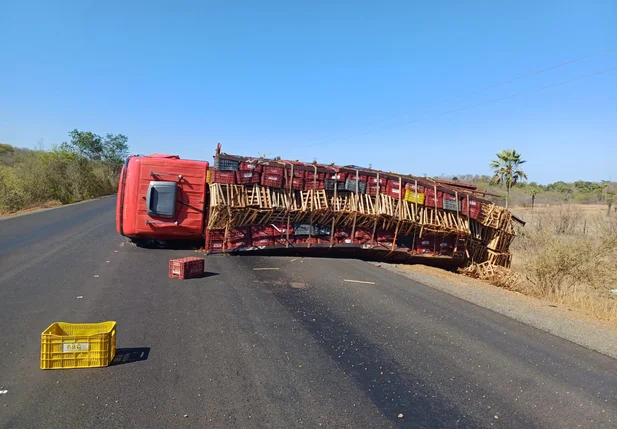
[[9, 155]]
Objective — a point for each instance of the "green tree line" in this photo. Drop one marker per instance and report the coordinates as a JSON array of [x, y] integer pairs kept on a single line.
[[524, 192], [86, 166]]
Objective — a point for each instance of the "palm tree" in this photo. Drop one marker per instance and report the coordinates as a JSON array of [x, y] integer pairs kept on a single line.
[[507, 170]]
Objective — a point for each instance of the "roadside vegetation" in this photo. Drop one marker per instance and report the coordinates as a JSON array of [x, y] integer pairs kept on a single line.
[[568, 254], [567, 251], [87, 166]]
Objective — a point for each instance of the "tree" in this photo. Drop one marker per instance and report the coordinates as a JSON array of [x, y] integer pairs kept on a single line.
[[533, 191], [611, 197], [507, 170], [109, 151]]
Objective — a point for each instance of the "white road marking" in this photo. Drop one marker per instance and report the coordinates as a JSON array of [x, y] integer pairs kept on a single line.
[[359, 281]]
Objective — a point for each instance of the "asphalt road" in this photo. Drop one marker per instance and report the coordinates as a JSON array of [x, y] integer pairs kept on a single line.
[[293, 347]]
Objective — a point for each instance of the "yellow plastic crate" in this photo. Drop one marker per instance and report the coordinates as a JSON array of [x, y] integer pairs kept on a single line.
[[414, 197], [81, 345]]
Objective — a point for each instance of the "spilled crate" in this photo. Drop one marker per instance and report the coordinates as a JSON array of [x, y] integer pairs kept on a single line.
[[81, 345], [186, 268]]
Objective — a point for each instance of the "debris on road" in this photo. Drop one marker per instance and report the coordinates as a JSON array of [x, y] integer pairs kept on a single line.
[[400, 416], [80, 297], [96, 276], [264, 269], [494, 274], [359, 281]]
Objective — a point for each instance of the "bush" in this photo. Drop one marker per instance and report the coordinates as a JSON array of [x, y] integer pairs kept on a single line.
[[556, 259], [559, 265], [40, 177]]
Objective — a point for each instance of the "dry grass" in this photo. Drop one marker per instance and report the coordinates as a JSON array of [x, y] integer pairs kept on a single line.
[[568, 254], [46, 205]]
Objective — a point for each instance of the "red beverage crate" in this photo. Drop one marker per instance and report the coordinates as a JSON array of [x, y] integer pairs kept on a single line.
[[384, 236], [297, 184], [430, 200], [412, 187], [282, 240], [215, 239], [342, 233], [215, 234], [310, 175], [271, 169], [263, 241], [425, 245], [445, 245], [363, 234], [310, 185], [272, 180], [239, 233], [338, 176], [361, 177], [280, 229], [186, 268], [373, 180], [395, 192], [239, 243], [262, 231], [345, 240], [214, 244], [228, 177], [300, 174], [371, 189], [244, 177], [304, 239], [247, 166], [476, 207]]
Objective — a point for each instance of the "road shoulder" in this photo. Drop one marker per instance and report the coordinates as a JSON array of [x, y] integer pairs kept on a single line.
[[554, 319]]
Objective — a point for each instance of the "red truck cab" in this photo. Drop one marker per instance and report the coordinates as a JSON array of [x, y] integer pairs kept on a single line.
[[162, 197]]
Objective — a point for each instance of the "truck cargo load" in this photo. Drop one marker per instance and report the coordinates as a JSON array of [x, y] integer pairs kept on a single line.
[[254, 204]]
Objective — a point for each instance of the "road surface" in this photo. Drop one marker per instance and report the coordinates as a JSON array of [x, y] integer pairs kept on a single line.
[[293, 347]]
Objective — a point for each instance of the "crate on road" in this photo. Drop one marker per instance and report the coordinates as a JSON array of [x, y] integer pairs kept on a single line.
[[186, 268], [78, 345]]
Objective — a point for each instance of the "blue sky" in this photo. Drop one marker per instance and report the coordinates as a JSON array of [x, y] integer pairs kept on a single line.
[[389, 83]]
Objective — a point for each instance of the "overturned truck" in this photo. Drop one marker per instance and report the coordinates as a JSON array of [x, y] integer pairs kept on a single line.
[[245, 204]]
